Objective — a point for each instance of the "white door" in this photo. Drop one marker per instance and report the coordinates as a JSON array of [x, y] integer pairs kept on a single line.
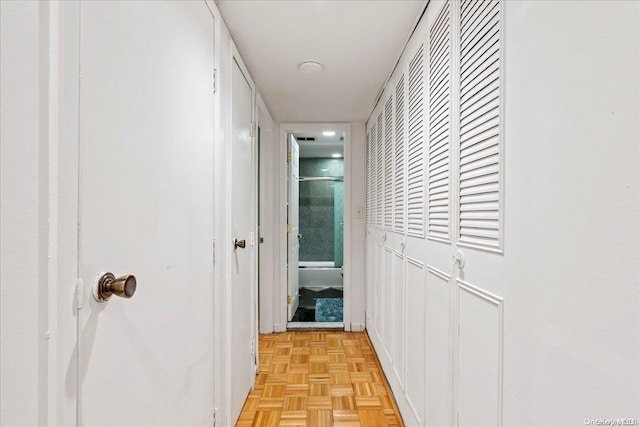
[[243, 211], [293, 240], [464, 216], [146, 209]]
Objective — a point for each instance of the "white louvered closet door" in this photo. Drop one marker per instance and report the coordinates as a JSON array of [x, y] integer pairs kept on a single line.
[[399, 192], [416, 144], [440, 210], [373, 172], [479, 179], [480, 125], [379, 171], [388, 164], [434, 189], [368, 157], [438, 186]]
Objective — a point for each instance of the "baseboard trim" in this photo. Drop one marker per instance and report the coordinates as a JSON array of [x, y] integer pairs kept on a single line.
[[357, 327]]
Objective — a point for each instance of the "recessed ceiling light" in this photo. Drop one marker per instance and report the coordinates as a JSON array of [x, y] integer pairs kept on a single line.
[[310, 67], [324, 170], [328, 133], [336, 155]]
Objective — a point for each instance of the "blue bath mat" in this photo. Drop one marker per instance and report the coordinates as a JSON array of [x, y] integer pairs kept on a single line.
[[329, 310]]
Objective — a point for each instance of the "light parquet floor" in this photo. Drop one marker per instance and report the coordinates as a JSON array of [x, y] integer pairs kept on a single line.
[[319, 379]]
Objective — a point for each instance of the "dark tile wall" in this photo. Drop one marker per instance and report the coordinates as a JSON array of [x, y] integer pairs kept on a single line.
[[317, 206]]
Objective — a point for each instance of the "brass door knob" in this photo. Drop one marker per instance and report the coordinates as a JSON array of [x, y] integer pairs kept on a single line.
[[239, 244], [107, 284]]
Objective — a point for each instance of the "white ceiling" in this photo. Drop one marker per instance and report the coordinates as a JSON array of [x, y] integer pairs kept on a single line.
[[358, 42]]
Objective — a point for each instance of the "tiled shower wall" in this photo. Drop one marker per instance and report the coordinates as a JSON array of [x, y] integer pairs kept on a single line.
[[321, 211]]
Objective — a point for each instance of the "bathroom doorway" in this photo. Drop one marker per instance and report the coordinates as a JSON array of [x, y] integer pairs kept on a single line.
[[319, 237]]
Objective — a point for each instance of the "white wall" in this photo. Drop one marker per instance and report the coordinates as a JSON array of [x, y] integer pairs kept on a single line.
[[357, 247], [572, 337], [269, 256], [24, 209], [568, 340]]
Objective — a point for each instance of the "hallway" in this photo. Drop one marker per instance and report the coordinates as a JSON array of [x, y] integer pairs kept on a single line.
[[490, 214], [319, 379]]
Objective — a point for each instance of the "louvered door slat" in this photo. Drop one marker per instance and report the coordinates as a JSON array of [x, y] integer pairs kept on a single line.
[[388, 164], [479, 215], [488, 188], [476, 21], [477, 152], [415, 169], [479, 124], [475, 93], [491, 122], [478, 69], [379, 171], [482, 110], [367, 201], [400, 142], [439, 125], [439, 155], [479, 197], [488, 227], [481, 235], [374, 174]]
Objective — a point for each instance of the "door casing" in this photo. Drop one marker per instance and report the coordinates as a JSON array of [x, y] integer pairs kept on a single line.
[[280, 316]]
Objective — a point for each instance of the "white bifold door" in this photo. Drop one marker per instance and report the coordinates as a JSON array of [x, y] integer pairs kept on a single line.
[[146, 210]]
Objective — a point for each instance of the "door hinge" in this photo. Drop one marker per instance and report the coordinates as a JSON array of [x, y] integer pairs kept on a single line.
[[288, 228], [289, 299], [215, 80], [289, 156], [215, 417]]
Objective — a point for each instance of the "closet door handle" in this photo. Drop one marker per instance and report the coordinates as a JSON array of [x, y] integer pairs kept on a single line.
[[239, 244], [107, 285]]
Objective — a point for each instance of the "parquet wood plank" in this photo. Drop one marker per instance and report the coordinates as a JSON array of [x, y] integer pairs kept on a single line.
[[308, 379]]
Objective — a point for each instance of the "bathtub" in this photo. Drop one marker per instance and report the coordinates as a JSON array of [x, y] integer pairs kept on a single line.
[[319, 275]]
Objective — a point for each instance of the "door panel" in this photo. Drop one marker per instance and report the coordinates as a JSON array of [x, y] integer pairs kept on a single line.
[[479, 357], [415, 333], [293, 240], [243, 208], [399, 303], [146, 208], [438, 352]]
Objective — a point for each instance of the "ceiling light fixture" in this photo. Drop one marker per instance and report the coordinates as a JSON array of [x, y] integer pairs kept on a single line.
[[328, 133], [336, 155], [310, 67]]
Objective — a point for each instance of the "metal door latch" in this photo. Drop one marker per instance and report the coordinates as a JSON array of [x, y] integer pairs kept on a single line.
[[458, 259]]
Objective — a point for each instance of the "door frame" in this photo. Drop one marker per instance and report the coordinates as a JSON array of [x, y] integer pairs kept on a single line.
[[280, 291], [268, 250]]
